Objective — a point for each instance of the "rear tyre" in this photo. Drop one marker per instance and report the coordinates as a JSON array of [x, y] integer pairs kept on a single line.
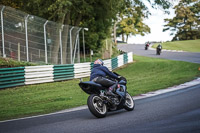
[[129, 103], [96, 106]]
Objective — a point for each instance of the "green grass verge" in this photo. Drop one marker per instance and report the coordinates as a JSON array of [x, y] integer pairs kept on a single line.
[[188, 45], [146, 74], [150, 74]]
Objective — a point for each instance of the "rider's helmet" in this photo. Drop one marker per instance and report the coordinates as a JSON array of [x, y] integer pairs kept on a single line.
[[99, 61]]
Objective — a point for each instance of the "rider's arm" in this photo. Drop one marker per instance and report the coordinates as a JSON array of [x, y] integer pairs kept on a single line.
[[109, 73]]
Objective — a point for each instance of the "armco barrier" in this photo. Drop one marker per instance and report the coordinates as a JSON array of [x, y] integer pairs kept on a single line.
[[82, 70], [130, 57], [120, 60], [38, 74], [11, 77], [63, 72], [125, 58], [108, 64], [114, 63]]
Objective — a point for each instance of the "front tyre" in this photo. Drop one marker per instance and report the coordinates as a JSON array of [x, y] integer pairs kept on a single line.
[[159, 52], [96, 106], [129, 103]]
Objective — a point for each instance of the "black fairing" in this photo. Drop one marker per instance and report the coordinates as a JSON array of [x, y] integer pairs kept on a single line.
[[91, 87]]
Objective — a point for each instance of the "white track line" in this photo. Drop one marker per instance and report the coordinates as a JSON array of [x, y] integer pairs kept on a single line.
[[149, 94]]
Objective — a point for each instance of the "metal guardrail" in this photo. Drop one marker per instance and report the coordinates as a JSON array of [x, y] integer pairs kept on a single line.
[[114, 63], [120, 60], [12, 77], [63, 72], [82, 70], [130, 57], [125, 58], [38, 74]]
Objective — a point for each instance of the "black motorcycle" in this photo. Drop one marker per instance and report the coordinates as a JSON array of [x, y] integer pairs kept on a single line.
[[158, 50], [99, 103]]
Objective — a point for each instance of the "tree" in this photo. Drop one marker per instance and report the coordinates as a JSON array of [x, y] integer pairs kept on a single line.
[[185, 25], [131, 21], [131, 17], [97, 15]]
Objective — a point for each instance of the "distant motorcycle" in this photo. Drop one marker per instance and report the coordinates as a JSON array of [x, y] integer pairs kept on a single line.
[[147, 46], [158, 50], [99, 103]]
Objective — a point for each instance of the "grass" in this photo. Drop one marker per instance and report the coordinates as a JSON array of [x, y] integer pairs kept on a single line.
[[150, 74], [40, 99], [188, 45], [146, 74]]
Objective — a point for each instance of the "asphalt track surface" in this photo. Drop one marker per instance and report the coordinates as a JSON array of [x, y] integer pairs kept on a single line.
[[181, 56], [174, 112]]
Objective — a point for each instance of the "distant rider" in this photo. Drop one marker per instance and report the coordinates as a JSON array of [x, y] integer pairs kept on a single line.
[[99, 73], [159, 47], [147, 45]]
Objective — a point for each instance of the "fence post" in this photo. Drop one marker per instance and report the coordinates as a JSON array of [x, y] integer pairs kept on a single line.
[[83, 46], [71, 43], [111, 50], [84, 43], [18, 51], [77, 37], [79, 47], [2, 32], [45, 42], [75, 49], [60, 33], [27, 56]]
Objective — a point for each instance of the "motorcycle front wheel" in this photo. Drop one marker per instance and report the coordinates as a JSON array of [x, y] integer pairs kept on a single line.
[[96, 106], [129, 103]]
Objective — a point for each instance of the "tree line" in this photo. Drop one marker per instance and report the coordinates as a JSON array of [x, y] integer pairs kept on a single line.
[[186, 23], [99, 16], [104, 17]]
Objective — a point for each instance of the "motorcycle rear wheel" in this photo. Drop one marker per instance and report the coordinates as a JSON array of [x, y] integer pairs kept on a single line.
[[96, 106], [129, 103]]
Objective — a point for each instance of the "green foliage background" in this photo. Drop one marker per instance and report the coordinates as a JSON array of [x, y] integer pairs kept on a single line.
[[185, 25], [98, 16]]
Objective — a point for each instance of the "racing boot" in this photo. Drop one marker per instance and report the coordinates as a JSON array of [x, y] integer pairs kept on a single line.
[[110, 92]]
